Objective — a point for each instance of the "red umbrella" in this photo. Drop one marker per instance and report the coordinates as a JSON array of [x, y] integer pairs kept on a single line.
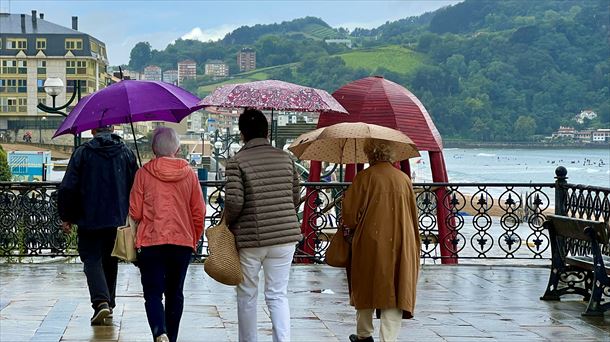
[[272, 95]]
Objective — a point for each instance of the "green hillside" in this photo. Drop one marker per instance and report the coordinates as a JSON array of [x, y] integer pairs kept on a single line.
[[394, 58], [320, 31]]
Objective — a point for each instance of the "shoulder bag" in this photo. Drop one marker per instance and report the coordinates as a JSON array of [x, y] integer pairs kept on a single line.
[[338, 251], [124, 244]]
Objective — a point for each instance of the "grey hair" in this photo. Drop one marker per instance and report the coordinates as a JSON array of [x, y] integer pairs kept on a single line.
[[165, 142], [378, 150]]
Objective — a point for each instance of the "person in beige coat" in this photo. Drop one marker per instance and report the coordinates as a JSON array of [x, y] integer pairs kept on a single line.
[[379, 208]]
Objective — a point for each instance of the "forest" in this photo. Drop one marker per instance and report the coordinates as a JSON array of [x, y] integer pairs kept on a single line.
[[486, 70]]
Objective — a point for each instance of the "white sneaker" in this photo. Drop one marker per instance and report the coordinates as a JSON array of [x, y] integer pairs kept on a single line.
[[162, 338]]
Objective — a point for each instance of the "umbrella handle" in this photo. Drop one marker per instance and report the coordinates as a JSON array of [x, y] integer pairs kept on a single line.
[[135, 142]]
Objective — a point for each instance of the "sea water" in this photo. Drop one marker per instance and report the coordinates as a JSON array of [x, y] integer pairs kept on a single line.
[[495, 165]]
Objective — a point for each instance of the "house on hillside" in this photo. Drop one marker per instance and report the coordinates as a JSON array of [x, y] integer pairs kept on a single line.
[[170, 76], [346, 42], [187, 69], [152, 73], [246, 59], [216, 68]]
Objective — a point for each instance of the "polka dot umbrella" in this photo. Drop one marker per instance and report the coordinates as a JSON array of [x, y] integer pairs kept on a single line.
[[343, 143]]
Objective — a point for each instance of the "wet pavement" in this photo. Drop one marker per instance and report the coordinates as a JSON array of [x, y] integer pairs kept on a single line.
[[49, 302]]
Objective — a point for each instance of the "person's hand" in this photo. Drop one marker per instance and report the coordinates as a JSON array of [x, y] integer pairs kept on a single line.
[[66, 227]]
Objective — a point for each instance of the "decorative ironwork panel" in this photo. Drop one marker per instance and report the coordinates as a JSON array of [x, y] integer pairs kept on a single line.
[[478, 221], [29, 223]]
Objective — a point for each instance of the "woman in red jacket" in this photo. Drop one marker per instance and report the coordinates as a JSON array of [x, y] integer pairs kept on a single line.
[[166, 199]]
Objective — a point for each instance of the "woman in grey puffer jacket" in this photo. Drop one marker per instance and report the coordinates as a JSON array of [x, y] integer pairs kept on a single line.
[[262, 193]]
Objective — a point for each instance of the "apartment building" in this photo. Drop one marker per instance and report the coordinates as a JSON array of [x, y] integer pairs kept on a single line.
[[152, 73], [246, 59], [170, 76], [33, 49], [216, 68], [187, 69]]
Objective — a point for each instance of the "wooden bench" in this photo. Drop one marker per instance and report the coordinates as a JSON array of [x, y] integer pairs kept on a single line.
[[578, 265]]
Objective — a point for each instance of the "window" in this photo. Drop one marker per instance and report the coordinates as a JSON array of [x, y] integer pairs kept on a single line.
[[42, 100], [22, 104], [8, 86], [42, 67], [22, 86], [9, 67], [41, 43], [16, 44], [14, 104], [22, 67], [74, 44], [40, 86], [70, 84], [76, 67]]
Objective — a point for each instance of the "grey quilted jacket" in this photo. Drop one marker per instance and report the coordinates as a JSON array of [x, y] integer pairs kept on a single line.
[[262, 192]]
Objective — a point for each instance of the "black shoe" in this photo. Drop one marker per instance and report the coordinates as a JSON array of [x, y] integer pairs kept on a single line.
[[110, 314], [354, 338], [101, 312]]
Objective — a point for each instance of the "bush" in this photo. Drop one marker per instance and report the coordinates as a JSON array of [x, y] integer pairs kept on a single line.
[[5, 171]]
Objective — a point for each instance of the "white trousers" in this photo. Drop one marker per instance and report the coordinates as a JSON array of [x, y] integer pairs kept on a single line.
[[391, 320], [275, 261]]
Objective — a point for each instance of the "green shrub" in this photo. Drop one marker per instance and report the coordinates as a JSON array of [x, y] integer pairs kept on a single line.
[[5, 171]]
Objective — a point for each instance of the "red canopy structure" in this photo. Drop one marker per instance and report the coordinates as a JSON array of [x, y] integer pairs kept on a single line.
[[376, 100]]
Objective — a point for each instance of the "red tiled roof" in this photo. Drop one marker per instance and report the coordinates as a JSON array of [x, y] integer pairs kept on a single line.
[[379, 101]]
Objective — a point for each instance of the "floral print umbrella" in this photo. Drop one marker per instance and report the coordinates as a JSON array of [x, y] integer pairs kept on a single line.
[[272, 95]]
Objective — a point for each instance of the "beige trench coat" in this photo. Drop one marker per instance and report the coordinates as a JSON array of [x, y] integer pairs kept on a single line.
[[380, 206]]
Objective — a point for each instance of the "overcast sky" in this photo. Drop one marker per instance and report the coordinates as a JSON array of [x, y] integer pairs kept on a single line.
[[123, 23]]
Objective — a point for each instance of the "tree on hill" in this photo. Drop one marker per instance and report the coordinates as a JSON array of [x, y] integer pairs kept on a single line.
[[5, 171], [140, 56]]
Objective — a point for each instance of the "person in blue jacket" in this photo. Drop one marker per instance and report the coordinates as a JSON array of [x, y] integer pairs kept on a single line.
[[94, 195]]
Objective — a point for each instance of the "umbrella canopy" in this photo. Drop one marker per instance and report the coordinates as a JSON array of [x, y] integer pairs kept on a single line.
[[129, 101], [272, 95], [382, 102], [343, 143]]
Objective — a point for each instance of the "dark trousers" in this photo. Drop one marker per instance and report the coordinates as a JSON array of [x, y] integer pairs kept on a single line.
[[94, 249], [163, 269]]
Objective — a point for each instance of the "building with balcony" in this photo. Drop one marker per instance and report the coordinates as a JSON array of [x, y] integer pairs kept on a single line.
[[152, 73], [33, 49], [246, 59], [216, 68], [170, 76], [187, 69]]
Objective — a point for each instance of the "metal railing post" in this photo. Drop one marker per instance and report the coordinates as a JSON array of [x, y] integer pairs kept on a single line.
[[561, 193]]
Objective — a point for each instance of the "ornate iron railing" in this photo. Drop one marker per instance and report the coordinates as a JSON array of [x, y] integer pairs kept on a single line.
[[484, 221]]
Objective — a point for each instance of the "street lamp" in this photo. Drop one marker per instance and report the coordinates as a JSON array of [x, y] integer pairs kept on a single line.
[[224, 144], [40, 124], [54, 86]]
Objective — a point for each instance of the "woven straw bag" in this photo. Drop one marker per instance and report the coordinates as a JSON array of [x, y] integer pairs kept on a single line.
[[222, 264]]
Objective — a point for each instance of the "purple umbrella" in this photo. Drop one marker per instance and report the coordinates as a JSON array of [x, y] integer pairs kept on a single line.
[[127, 102]]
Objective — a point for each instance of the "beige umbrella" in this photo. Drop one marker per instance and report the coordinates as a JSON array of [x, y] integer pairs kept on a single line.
[[343, 143]]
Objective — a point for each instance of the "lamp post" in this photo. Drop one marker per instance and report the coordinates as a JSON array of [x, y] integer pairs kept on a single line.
[[54, 86], [40, 124], [224, 144]]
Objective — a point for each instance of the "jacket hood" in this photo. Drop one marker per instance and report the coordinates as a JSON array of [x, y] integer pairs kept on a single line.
[[168, 169], [106, 145]]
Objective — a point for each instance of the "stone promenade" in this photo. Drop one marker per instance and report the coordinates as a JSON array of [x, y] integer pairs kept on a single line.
[[49, 302]]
